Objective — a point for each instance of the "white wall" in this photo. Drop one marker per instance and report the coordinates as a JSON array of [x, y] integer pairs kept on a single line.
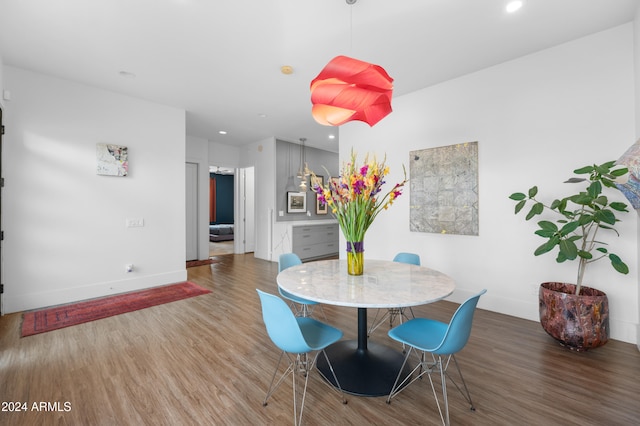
[[197, 151], [636, 45], [536, 119], [65, 234], [224, 155]]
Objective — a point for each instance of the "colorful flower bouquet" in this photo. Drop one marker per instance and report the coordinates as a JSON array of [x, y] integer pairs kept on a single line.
[[355, 200]]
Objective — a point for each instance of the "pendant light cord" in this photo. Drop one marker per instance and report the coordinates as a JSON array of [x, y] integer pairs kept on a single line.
[[351, 3]]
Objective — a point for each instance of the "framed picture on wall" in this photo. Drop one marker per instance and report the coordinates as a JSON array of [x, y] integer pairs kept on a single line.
[[296, 202], [321, 208], [112, 160], [318, 181]]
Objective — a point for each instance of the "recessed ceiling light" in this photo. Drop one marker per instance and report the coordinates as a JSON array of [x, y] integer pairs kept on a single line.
[[514, 6], [332, 136], [223, 132], [286, 69], [262, 115]]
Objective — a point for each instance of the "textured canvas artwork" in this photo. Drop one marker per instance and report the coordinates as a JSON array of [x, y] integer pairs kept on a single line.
[[631, 189], [112, 160], [444, 189]]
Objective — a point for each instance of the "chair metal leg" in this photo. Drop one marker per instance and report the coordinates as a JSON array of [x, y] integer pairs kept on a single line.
[[443, 380], [391, 313], [304, 310], [297, 418], [427, 367], [397, 387], [422, 368], [465, 393], [309, 367], [300, 365], [444, 376], [375, 323], [310, 309], [344, 399], [272, 387]]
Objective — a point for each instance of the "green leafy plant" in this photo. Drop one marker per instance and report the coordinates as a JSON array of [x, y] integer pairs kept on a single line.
[[580, 218]]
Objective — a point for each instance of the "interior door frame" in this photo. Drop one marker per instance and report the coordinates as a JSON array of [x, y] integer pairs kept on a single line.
[[191, 206]]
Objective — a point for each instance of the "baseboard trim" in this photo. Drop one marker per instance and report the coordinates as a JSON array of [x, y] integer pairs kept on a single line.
[[26, 302]]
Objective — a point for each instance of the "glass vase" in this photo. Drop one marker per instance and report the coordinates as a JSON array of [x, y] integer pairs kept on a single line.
[[355, 258]]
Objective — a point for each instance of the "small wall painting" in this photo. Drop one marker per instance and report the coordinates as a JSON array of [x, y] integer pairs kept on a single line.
[[321, 208], [296, 202], [112, 160], [631, 188], [318, 181]]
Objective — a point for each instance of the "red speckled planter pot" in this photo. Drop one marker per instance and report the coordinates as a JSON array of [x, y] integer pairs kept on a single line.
[[577, 322]]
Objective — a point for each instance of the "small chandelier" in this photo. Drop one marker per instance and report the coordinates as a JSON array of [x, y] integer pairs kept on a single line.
[[348, 89], [303, 171]]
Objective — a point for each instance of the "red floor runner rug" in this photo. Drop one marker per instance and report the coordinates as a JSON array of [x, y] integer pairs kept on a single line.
[[61, 316]]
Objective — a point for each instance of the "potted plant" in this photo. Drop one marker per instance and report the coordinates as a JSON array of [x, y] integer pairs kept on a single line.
[[575, 315]]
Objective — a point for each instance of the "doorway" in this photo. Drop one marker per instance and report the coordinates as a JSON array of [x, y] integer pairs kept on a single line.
[[240, 197], [222, 227]]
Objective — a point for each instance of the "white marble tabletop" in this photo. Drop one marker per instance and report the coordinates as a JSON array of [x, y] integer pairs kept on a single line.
[[384, 284]]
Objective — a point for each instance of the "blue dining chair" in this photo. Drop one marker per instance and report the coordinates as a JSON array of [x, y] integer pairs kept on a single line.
[[393, 313], [302, 307], [296, 337], [442, 341]]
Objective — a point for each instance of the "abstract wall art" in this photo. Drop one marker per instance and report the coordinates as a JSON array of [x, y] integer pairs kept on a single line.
[[444, 189], [631, 188], [112, 160]]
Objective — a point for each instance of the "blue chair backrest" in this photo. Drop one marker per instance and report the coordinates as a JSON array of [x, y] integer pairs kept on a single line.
[[412, 258], [459, 328], [288, 260], [282, 326]]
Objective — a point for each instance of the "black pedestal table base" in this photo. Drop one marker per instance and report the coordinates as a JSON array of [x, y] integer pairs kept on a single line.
[[363, 372], [363, 368]]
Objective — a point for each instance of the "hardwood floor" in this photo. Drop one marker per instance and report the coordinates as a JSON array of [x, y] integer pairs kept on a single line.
[[220, 248], [207, 361]]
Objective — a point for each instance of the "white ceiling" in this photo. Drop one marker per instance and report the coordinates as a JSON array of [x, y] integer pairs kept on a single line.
[[220, 60]]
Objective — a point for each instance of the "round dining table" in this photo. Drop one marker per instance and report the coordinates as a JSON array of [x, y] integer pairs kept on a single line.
[[364, 367]]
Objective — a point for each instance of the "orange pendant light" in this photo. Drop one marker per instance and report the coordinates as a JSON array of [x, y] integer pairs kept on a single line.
[[348, 89]]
